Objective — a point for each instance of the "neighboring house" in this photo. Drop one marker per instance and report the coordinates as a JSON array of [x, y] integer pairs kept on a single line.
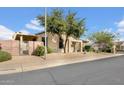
[[95, 46], [120, 45], [53, 41], [86, 42], [20, 44], [99, 46]]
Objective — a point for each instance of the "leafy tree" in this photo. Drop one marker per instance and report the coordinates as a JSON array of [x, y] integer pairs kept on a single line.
[[55, 23], [103, 38], [67, 25], [74, 27]]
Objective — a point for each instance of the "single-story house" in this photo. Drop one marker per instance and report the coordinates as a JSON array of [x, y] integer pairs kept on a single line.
[[22, 44], [53, 41]]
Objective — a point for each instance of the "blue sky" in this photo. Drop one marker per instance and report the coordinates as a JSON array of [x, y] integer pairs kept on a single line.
[[97, 19]]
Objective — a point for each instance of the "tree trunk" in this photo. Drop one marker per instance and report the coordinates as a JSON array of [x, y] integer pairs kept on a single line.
[[65, 44]]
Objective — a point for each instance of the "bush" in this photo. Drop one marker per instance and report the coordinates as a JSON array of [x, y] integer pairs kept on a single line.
[[108, 50], [4, 56], [40, 50], [49, 50], [87, 48]]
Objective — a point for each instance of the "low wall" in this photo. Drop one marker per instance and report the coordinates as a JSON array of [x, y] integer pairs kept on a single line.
[[11, 46]]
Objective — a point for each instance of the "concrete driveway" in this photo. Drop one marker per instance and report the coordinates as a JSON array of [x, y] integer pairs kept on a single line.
[[108, 71]]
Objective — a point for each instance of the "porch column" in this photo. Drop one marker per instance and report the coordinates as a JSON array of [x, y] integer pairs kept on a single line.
[[114, 49], [21, 41], [81, 47]]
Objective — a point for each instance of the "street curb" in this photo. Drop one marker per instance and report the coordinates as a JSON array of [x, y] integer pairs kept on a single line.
[[82, 61], [37, 67]]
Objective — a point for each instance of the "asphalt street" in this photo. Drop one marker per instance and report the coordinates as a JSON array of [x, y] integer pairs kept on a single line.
[[108, 71]]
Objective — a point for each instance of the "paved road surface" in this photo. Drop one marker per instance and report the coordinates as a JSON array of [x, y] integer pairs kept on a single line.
[[107, 71]]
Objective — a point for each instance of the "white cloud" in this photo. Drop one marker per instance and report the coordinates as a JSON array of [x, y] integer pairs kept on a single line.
[[35, 22], [34, 25], [5, 33], [120, 24], [120, 29]]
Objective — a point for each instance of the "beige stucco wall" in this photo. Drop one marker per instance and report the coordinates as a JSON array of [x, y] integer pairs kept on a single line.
[[70, 47], [53, 42], [11, 46]]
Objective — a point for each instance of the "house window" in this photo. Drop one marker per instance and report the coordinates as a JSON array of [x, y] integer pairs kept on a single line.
[[61, 43]]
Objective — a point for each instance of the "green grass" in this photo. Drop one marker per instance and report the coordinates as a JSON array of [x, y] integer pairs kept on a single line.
[[4, 56]]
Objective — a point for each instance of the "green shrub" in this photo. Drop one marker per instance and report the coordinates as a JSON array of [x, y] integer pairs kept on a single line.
[[4, 56], [108, 50], [40, 50], [49, 50], [87, 48]]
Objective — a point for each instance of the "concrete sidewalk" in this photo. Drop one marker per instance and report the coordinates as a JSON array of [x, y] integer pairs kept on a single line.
[[28, 63]]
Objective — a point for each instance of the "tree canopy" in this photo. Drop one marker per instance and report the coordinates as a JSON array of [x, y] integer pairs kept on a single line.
[[63, 24], [103, 39], [102, 36], [74, 27], [55, 22]]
